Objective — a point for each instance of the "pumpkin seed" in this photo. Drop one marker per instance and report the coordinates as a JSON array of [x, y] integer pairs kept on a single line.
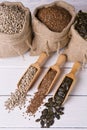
[[81, 24]]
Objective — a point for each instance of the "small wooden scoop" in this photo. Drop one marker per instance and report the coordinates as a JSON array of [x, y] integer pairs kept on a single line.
[[56, 67], [42, 59], [67, 84]]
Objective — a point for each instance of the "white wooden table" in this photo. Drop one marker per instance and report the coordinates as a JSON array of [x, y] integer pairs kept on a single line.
[[11, 69]]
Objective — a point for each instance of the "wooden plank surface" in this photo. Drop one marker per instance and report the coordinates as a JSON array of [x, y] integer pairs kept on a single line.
[[75, 115], [11, 69]]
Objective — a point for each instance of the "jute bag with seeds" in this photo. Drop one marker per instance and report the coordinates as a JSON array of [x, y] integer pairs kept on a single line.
[[15, 29], [51, 24], [77, 48]]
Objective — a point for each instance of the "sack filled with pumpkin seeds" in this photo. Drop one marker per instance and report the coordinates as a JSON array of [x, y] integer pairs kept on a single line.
[[15, 29], [77, 48], [51, 24]]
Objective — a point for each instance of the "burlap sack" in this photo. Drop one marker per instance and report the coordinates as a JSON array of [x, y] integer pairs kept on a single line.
[[46, 40], [16, 44], [77, 48]]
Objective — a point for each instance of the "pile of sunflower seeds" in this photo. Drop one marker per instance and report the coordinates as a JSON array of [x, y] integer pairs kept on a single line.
[[18, 98], [12, 18], [27, 77]]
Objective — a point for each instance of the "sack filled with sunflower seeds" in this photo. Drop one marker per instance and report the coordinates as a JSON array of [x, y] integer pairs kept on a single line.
[[15, 29]]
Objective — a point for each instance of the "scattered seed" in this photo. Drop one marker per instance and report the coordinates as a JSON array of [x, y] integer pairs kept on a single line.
[[38, 120], [45, 112], [50, 113], [18, 98], [57, 116]]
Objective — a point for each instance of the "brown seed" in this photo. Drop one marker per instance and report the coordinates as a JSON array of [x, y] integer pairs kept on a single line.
[[55, 18], [41, 93]]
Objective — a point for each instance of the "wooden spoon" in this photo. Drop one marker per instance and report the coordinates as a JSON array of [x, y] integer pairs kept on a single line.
[[67, 83], [56, 67], [42, 59]]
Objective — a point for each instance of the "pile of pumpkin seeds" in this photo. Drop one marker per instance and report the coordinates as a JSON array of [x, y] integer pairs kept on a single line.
[[19, 97], [48, 115], [81, 24], [54, 105], [12, 18]]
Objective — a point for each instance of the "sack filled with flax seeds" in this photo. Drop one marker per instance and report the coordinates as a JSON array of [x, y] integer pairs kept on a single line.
[[77, 48], [51, 24], [15, 29]]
